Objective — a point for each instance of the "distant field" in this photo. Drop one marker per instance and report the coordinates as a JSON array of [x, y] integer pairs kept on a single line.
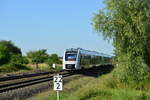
[[41, 66], [5, 69], [44, 66]]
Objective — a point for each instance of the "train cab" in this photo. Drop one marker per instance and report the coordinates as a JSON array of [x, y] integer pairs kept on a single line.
[[70, 59]]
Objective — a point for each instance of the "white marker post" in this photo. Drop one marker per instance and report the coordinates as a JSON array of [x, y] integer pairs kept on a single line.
[[57, 79], [54, 65]]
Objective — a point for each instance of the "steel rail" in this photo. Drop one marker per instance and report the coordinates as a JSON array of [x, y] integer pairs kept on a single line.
[[14, 77], [17, 85]]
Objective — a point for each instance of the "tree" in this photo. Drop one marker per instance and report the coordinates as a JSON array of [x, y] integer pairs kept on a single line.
[[38, 56], [53, 58], [11, 47], [127, 23], [18, 60], [7, 49], [4, 55]]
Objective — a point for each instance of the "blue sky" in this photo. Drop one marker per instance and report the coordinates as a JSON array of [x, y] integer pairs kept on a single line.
[[51, 24]]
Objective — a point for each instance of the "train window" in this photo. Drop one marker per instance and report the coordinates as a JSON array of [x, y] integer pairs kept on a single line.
[[71, 56]]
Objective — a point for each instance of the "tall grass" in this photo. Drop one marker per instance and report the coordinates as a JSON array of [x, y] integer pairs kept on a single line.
[[69, 88], [102, 88], [7, 68], [107, 88]]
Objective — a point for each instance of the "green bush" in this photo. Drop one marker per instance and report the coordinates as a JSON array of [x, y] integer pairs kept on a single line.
[[4, 55], [16, 63], [131, 69], [7, 68], [18, 60], [25, 60], [53, 59], [12, 68], [39, 56]]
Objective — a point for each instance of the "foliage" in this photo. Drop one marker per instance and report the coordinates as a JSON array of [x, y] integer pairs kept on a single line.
[[18, 60], [11, 58], [11, 47], [25, 60], [127, 23], [4, 55], [53, 59], [7, 49], [38, 56], [13, 68], [107, 88]]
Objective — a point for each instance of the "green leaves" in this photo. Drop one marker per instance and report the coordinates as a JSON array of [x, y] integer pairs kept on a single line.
[[11, 58], [127, 22], [102, 23], [38, 56], [7, 49], [53, 59]]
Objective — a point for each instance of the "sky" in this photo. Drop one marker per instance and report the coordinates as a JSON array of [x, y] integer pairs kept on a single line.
[[54, 25]]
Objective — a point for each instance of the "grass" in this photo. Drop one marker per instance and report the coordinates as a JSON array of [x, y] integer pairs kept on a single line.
[[101, 88], [106, 88], [8, 69], [69, 88], [42, 66]]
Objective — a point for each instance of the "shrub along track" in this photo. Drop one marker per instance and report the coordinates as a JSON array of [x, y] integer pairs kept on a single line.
[[25, 86]]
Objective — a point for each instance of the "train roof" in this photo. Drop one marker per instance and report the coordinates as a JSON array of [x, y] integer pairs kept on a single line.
[[88, 52]]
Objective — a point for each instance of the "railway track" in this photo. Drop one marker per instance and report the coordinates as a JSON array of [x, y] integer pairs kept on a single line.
[[16, 82], [26, 85]]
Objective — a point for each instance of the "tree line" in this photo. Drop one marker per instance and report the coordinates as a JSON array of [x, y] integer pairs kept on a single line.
[[11, 55]]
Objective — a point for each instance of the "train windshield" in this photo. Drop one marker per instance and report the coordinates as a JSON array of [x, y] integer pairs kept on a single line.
[[71, 56]]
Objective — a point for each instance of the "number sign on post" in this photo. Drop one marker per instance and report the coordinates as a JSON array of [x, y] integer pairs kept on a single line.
[[58, 82]]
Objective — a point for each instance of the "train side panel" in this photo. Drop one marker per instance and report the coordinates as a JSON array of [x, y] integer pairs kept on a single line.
[[76, 59]]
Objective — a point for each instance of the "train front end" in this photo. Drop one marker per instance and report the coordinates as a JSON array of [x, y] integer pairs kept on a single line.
[[70, 59]]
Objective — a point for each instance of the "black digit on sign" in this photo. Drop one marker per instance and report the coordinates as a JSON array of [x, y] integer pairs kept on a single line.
[[58, 85], [56, 78], [60, 79]]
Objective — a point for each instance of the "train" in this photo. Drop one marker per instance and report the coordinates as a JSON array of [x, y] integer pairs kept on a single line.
[[78, 58]]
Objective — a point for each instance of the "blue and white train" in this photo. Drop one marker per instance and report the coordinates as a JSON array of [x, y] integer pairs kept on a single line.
[[76, 59]]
